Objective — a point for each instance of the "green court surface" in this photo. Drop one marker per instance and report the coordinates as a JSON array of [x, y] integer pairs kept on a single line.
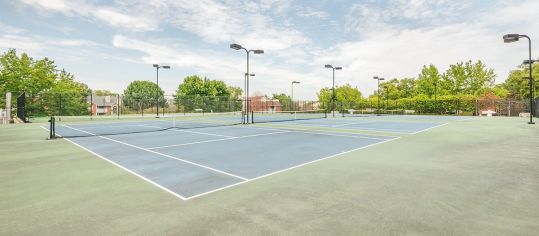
[[478, 176]]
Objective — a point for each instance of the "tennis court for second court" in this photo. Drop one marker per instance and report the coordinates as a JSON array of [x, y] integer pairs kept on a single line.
[[193, 162]]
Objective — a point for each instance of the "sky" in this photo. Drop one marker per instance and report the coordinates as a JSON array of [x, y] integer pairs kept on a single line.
[[108, 44]]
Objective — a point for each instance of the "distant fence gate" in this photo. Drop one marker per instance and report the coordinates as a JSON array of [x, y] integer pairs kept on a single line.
[[500, 107]]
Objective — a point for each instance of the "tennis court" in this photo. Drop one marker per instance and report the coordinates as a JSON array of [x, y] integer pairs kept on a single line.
[[196, 161]]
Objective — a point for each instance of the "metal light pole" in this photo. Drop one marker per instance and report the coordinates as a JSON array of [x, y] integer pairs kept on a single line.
[[333, 98], [387, 96], [157, 92], [509, 38], [378, 92], [245, 80], [247, 51], [292, 94], [435, 101]]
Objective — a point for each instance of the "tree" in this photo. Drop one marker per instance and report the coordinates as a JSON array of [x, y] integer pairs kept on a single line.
[[285, 100], [104, 93], [67, 97], [517, 86], [22, 73], [477, 77], [390, 89], [142, 95], [346, 97], [209, 95], [48, 90], [469, 78], [429, 82], [406, 88]]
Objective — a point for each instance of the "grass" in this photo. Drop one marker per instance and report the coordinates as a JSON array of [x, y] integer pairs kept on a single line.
[[474, 177]]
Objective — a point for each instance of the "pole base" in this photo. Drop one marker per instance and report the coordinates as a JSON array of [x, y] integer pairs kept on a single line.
[[531, 123]]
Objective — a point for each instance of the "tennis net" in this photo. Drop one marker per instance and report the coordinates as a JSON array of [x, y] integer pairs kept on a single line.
[[278, 116], [70, 127]]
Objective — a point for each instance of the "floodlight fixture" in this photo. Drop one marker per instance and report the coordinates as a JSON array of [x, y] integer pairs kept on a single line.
[[235, 46], [509, 38]]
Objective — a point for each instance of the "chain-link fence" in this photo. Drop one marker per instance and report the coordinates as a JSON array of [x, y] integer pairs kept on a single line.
[[499, 107], [91, 105], [441, 106]]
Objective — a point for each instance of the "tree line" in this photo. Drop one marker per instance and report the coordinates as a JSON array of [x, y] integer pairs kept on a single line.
[[53, 91], [50, 90], [456, 89]]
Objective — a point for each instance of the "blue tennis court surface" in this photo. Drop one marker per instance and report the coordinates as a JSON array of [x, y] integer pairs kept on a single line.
[[193, 162]]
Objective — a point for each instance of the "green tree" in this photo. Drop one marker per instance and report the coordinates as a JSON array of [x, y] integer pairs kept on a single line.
[[285, 100], [469, 78], [478, 77], [346, 97], [142, 95], [103, 93], [24, 74], [429, 82], [209, 95], [406, 88], [48, 90], [517, 86], [390, 89], [67, 97]]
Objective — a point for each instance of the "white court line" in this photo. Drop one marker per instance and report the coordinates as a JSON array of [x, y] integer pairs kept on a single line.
[[309, 132], [161, 154], [225, 187], [194, 132], [289, 168], [341, 135], [354, 123], [216, 140], [360, 128], [126, 169], [430, 128], [346, 131]]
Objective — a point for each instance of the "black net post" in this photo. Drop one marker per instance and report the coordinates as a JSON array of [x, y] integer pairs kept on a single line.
[[21, 107], [52, 132], [91, 105]]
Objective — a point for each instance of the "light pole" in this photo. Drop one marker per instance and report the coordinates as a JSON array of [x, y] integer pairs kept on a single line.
[[435, 101], [387, 97], [292, 94], [247, 51], [378, 92], [509, 38], [333, 89], [245, 87], [157, 91]]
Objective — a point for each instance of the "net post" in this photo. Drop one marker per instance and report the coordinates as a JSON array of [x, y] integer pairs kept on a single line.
[[91, 105], [51, 128]]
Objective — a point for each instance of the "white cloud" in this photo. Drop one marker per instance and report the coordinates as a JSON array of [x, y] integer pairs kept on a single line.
[[112, 16], [392, 40], [401, 53]]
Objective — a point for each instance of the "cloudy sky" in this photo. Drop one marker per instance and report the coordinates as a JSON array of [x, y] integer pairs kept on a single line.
[[107, 44]]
